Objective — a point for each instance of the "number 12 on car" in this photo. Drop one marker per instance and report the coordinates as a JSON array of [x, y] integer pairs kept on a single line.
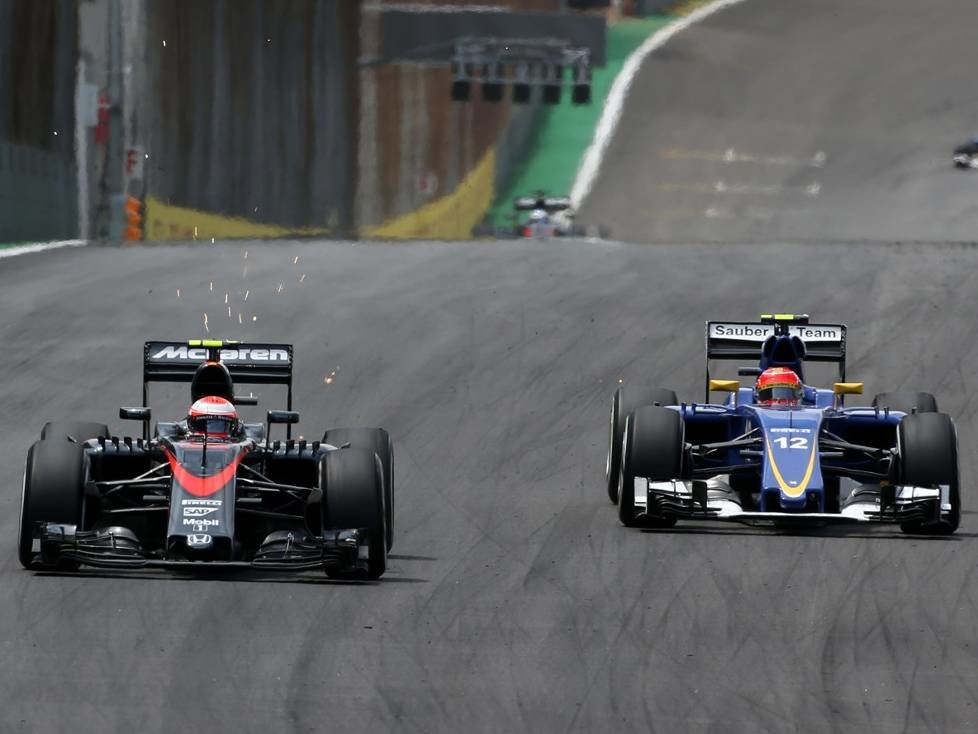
[[791, 442]]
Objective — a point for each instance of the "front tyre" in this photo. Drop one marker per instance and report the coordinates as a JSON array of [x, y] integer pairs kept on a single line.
[[626, 400], [379, 441], [352, 483], [80, 431], [54, 491], [929, 457], [652, 449]]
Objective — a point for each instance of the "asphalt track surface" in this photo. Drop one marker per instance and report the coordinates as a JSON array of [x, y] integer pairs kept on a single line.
[[802, 120], [514, 600]]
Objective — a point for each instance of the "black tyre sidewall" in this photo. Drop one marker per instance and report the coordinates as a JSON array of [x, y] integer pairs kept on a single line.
[[652, 448], [53, 491], [929, 456], [378, 440], [352, 484], [627, 399]]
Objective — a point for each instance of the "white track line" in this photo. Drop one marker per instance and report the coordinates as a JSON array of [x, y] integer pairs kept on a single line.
[[38, 247], [593, 156]]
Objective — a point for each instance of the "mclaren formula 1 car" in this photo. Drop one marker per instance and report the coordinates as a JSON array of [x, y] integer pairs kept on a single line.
[[187, 495], [811, 460]]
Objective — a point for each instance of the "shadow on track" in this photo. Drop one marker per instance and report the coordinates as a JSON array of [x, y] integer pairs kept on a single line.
[[227, 576]]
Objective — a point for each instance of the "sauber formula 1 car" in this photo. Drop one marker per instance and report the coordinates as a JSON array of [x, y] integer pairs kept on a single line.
[[815, 462], [186, 497]]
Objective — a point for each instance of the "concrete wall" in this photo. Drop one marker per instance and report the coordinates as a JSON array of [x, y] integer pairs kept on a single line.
[[38, 52], [419, 152], [247, 108], [261, 116]]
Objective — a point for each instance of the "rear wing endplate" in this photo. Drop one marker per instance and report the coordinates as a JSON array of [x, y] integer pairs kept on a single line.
[[740, 340]]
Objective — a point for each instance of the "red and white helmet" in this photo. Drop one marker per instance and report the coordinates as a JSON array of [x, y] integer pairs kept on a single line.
[[214, 416], [778, 386]]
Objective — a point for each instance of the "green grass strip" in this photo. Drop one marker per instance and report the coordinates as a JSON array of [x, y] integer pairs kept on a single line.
[[565, 130]]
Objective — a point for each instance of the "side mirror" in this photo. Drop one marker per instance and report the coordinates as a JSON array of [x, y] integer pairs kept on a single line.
[[245, 400], [846, 388], [724, 385], [748, 371], [287, 417], [135, 414]]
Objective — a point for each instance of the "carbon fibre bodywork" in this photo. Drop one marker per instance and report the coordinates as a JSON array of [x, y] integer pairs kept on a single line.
[[814, 461], [166, 502], [752, 464], [183, 498]]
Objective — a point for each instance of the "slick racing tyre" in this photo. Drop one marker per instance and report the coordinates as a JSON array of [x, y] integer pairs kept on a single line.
[[653, 449], [627, 399], [929, 456], [906, 402], [352, 483], [54, 491], [378, 440], [80, 431]]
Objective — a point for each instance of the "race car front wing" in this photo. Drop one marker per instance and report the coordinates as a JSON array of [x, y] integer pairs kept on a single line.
[[340, 552], [863, 503]]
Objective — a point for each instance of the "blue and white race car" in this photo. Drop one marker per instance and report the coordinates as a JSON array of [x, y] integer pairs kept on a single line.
[[782, 455]]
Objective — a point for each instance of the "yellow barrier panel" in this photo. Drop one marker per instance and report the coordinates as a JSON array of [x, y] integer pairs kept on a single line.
[[168, 222], [452, 217]]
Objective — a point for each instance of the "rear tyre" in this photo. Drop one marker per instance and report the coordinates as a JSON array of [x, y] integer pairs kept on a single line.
[[906, 402], [352, 483], [54, 491], [81, 431], [929, 456], [653, 449], [627, 399], [379, 441]]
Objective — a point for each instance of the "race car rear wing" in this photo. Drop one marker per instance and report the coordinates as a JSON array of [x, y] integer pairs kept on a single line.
[[249, 363], [550, 203], [740, 340]]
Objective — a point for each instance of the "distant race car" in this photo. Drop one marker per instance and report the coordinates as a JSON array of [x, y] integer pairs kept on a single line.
[[802, 458], [550, 216], [209, 489], [966, 156]]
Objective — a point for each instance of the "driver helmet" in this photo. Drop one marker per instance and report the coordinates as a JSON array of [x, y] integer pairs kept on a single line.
[[778, 386], [539, 215], [214, 416]]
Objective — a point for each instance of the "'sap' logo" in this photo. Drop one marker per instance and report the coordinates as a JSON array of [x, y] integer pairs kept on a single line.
[[198, 511]]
